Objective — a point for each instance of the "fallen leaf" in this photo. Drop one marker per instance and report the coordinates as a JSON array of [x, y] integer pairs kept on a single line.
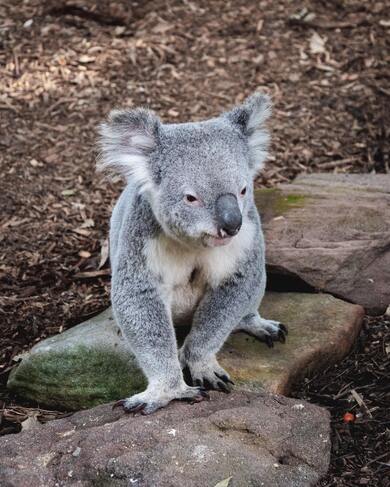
[[88, 223], [68, 192], [84, 254], [103, 253], [224, 483], [35, 163], [90, 274], [173, 113], [86, 59], [317, 44], [82, 231], [31, 422]]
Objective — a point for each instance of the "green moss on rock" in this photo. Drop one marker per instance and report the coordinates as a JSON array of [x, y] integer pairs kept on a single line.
[[76, 379], [273, 202]]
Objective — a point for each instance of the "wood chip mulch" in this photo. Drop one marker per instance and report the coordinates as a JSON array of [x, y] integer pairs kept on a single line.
[[65, 64], [357, 394]]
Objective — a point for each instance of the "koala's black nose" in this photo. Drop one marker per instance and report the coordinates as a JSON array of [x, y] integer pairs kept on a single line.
[[228, 214]]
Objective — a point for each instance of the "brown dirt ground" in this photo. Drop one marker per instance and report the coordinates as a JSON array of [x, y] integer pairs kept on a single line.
[[64, 65]]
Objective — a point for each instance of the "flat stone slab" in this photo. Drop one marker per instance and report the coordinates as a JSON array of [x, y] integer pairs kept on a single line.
[[332, 231], [253, 439], [89, 364]]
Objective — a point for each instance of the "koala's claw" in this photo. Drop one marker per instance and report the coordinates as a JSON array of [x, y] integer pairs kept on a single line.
[[138, 408], [267, 331], [225, 378], [151, 400], [217, 385], [210, 376], [283, 328], [118, 404], [203, 396]]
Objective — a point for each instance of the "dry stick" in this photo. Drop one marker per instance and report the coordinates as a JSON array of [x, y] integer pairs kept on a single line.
[[333, 164], [328, 25], [358, 398], [375, 459]]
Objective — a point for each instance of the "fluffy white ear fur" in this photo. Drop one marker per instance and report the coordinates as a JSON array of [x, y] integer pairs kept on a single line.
[[250, 118], [126, 142]]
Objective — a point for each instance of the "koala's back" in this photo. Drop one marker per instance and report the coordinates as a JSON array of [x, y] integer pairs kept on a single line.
[[132, 222]]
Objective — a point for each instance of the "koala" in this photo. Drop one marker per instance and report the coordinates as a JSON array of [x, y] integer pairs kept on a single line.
[[186, 244]]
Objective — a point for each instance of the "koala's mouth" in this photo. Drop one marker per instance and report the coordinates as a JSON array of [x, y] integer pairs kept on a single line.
[[216, 241]]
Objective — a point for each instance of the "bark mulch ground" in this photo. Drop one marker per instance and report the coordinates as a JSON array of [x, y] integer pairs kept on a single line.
[[65, 64]]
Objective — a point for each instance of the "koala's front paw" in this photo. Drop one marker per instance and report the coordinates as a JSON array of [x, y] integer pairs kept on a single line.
[[152, 399], [209, 374]]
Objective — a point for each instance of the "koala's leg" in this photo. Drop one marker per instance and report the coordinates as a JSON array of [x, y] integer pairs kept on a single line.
[[145, 323], [215, 318], [267, 331]]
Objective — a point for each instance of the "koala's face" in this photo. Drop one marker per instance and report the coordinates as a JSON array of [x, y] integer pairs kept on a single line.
[[196, 176], [203, 182]]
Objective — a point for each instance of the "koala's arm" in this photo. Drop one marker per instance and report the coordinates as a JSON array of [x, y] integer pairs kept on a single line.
[[136, 301], [222, 308], [219, 313], [144, 321], [141, 313]]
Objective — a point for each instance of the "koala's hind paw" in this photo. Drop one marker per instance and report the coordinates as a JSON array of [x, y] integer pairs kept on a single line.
[[149, 401], [267, 331]]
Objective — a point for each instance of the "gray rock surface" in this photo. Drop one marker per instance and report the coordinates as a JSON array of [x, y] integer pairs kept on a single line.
[[332, 231], [256, 439], [89, 364]]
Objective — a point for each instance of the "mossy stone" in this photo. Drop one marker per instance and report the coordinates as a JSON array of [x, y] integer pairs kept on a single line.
[[90, 364], [272, 202], [78, 378], [80, 368]]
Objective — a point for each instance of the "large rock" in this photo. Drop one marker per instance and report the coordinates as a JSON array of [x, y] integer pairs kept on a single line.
[[332, 231], [89, 364], [256, 439]]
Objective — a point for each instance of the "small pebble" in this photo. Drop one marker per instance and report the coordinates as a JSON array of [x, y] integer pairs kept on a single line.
[[77, 451]]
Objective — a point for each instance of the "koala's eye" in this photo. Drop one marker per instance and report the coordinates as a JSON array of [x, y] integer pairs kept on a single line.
[[243, 191], [192, 200]]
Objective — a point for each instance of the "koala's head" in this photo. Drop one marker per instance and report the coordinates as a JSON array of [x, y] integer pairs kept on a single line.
[[198, 177]]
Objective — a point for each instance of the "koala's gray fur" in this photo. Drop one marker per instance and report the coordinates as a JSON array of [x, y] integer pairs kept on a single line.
[[170, 260]]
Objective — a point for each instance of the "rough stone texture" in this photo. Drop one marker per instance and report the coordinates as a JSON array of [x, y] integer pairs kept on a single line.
[[333, 231], [257, 439], [89, 365], [322, 330]]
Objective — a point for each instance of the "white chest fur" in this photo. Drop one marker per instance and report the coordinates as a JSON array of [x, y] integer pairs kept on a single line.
[[186, 273]]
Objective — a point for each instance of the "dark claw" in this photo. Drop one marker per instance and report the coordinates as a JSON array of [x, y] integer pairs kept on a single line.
[[207, 384], [118, 403], [225, 378], [283, 328], [136, 409], [269, 342], [199, 398], [192, 400], [205, 395], [199, 383], [281, 336], [223, 387]]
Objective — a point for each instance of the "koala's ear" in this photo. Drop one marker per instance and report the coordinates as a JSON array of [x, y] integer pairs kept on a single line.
[[249, 118], [126, 141]]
